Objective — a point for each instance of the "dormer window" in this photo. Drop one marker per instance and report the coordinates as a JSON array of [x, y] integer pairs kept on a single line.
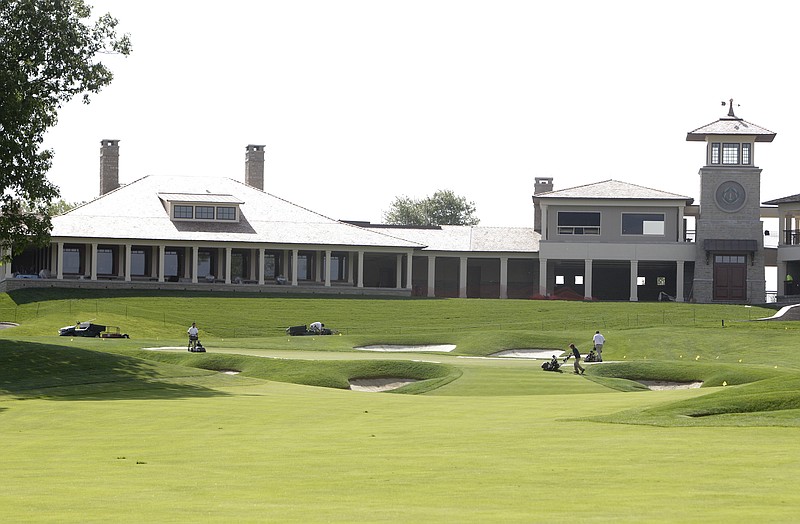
[[201, 208], [730, 153]]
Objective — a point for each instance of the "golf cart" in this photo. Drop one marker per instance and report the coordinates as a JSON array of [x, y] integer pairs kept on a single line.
[[113, 332], [82, 329]]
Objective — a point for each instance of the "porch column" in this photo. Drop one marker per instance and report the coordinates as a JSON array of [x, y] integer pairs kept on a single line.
[[350, 267], [195, 262], [398, 271], [543, 277], [409, 270], [260, 260], [294, 266], [587, 279], [128, 249], [161, 250], [360, 277], [431, 275], [503, 277], [679, 281], [327, 268], [7, 274], [462, 277], [634, 281], [59, 261], [93, 262], [228, 251]]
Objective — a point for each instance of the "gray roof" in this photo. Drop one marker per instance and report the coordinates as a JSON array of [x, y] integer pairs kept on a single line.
[[730, 126], [137, 212], [793, 199], [613, 189], [471, 238]]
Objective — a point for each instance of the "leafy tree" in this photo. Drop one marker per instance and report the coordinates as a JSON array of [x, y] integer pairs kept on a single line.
[[442, 208], [48, 54]]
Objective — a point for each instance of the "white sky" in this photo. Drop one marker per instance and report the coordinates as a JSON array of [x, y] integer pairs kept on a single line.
[[361, 101]]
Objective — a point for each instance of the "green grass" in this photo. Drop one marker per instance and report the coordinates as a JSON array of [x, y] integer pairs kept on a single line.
[[100, 430]]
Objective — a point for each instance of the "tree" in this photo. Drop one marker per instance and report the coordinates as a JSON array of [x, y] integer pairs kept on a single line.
[[48, 54], [442, 208]]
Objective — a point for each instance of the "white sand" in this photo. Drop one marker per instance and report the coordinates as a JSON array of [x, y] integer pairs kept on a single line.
[[662, 385], [374, 385], [529, 353], [441, 348]]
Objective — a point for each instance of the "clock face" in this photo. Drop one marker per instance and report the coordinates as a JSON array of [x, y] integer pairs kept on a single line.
[[730, 196]]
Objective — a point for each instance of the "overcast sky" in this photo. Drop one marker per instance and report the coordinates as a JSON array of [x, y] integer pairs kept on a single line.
[[358, 102]]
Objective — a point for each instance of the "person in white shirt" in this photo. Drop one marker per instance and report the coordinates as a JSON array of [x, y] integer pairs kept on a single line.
[[316, 327], [598, 341], [192, 331]]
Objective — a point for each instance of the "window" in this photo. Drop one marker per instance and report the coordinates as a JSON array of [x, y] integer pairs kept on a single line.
[[578, 223], [729, 259], [204, 264], [578, 280], [269, 266], [204, 212], [105, 261], [72, 260], [641, 281], [138, 263], [730, 153], [661, 281], [715, 153], [170, 263], [746, 154], [182, 212], [642, 224], [226, 213], [559, 280]]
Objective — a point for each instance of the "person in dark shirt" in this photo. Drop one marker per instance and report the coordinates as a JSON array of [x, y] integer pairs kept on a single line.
[[577, 364]]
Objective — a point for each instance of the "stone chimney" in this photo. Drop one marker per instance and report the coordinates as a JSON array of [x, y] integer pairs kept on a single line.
[[109, 165], [543, 185], [254, 166]]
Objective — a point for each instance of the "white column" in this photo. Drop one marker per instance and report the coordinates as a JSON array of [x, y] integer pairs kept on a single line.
[[350, 267], [93, 262], [7, 274], [587, 279], [128, 250], [228, 251], [462, 277], [195, 262], [431, 275], [503, 277], [398, 271], [679, 282], [327, 268], [543, 275], [360, 279], [260, 259], [634, 279], [161, 250], [294, 266], [59, 261], [409, 269]]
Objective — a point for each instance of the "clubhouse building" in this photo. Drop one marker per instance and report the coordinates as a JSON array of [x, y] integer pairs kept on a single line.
[[610, 240]]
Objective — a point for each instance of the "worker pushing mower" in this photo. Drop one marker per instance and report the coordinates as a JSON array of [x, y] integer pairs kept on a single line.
[[194, 340]]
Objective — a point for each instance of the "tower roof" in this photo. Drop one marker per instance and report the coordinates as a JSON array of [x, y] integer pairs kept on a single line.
[[730, 125]]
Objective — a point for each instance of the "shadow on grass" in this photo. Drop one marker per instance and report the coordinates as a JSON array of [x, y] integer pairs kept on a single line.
[[32, 370]]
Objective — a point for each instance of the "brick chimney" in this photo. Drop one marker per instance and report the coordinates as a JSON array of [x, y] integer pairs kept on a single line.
[[254, 166], [542, 185], [109, 165]]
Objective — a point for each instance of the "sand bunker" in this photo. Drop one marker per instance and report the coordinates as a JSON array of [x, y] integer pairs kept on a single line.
[[661, 385], [529, 353], [375, 385], [440, 348]]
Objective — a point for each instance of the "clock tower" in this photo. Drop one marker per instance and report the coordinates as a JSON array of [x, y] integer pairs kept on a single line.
[[729, 262]]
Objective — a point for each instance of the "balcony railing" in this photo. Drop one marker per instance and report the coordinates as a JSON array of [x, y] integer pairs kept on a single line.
[[791, 237]]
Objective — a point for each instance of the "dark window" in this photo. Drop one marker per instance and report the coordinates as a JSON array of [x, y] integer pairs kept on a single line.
[[715, 153], [204, 264], [269, 266], [138, 263], [578, 223], [170, 263], [226, 213], [642, 224], [729, 259], [182, 211], [730, 153], [746, 154], [204, 212]]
